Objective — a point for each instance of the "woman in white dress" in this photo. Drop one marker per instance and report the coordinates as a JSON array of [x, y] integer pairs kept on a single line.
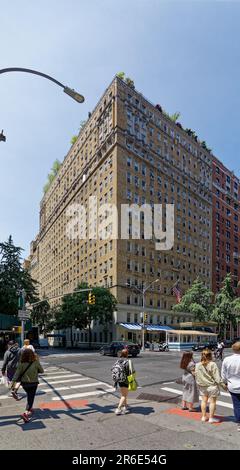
[[190, 391]]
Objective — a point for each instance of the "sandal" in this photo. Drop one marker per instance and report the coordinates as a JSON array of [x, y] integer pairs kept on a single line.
[[25, 417]]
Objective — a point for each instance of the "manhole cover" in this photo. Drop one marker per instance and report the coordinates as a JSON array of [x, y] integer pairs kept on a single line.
[[159, 397]]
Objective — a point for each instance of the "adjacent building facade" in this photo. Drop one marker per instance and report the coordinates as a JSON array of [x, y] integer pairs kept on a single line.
[[128, 152], [226, 230]]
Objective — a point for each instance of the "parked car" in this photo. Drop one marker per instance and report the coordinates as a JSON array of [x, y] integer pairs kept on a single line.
[[207, 345], [228, 343], [114, 348]]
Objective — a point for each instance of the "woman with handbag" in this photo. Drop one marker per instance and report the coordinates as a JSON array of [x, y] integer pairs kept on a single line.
[[27, 373], [121, 371], [190, 392], [209, 382]]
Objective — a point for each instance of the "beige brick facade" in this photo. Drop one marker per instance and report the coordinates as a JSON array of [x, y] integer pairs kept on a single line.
[[128, 152]]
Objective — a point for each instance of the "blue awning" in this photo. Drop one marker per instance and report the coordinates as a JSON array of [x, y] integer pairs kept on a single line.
[[158, 328], [131, 326], [148, 327]]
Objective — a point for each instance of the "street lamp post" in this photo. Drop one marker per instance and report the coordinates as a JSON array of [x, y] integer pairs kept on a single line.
[[143, 291], [69, 91]]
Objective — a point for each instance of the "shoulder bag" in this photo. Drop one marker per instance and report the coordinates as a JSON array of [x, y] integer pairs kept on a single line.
[[17, 382], [132, 383]]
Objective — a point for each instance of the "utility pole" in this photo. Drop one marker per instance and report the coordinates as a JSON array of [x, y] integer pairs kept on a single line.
[[22, 308]]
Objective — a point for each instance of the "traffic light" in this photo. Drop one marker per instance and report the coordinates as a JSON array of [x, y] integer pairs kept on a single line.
[[145, 316], [91, 299]]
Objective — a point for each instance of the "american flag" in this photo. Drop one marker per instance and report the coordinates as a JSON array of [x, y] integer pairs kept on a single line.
[[176, 290]]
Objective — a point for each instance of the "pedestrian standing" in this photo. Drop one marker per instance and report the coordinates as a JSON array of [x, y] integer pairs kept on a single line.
[[231, 376], [120, 372], [27, 345], [208, 381], [10, 362], [190, 391], [27, 373]]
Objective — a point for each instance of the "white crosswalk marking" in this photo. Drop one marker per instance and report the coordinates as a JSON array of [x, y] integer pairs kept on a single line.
[[59, 376], [81, 395], [219, 402], [57, 379]]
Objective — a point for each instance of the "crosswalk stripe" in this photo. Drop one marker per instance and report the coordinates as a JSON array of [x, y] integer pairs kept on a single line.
[[92, 384], [59, 376], [78, 395], [58, 382], [53, 377], [219, 402]]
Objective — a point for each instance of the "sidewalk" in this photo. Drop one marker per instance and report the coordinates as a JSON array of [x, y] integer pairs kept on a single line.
[[92, 424]]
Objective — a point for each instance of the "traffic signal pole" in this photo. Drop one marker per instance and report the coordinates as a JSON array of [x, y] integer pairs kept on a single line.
[[143, 322], [23, 307]]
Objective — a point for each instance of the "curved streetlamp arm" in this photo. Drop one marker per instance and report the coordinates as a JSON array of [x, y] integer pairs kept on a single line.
[[35, 72], [75, 95], [146, 288]]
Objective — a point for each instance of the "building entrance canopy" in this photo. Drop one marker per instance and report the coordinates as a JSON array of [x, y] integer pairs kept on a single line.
[[148, 327]]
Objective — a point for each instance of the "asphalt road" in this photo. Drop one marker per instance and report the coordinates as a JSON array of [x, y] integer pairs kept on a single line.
[[152, 368]]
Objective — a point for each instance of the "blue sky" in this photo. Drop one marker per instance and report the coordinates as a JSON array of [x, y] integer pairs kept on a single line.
[[183, 55]]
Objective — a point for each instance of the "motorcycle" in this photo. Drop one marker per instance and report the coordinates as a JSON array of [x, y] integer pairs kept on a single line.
[[163, 347]]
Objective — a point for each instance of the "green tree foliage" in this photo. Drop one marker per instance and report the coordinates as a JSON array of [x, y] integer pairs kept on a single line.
[[74, 139], [13, 278], [40, 315], [205, 147], [75, 310], [226, 305], [197, 300], [52, 175], [121, 75], [174, 117], [127, 80]]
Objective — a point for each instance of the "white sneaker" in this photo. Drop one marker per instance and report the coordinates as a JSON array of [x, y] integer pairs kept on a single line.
[[238, 427], [214, 420], [125, 410], [203, 419], [118, 411]]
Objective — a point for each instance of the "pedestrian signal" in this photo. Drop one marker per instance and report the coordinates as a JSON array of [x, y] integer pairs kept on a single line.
[[91, 299]]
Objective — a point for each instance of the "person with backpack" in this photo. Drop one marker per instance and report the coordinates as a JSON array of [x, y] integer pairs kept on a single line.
[[10, 362], [27, 373], [120, 372]]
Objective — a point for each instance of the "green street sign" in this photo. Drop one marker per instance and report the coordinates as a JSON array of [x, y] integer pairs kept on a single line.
[[20, 302]]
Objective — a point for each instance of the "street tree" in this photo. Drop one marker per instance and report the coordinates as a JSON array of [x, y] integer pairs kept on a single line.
[[196, 300], [226, 307], [40, 315], [76, 311], [13, 278]]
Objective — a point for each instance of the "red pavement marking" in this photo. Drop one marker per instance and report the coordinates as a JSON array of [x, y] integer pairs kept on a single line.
[[65, 405], [190, 415]]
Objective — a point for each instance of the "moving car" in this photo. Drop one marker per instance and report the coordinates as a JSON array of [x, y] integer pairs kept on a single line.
[[115, 347]]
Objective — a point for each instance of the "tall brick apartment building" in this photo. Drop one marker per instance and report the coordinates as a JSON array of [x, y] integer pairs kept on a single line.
[[129, 151], [226, 227]]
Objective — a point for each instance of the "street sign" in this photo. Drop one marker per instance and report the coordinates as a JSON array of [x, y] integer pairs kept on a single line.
[[24, 314]]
